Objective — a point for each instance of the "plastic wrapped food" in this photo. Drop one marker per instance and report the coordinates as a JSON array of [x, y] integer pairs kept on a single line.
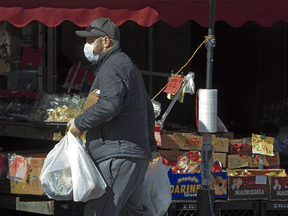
[[187, 163], [40, 106], [3, 166], [67, 108], [183, 162], [157, 108], [62, 180], [18, 167]]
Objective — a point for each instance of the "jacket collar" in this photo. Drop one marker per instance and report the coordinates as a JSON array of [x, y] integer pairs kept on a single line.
[[97, 65]]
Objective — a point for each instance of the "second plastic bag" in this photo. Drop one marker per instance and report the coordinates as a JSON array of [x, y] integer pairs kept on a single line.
[[68, 172], [157, 188]]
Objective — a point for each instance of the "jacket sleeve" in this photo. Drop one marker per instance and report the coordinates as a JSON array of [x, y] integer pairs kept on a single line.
[[112, 91], [151, 124]]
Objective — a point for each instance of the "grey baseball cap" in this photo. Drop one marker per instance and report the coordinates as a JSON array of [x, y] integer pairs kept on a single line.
[[101, 27]]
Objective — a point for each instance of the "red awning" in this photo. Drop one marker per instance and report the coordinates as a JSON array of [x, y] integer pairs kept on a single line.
[[144, 12]]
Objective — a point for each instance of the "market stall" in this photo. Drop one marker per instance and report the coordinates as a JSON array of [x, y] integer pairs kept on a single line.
[[49, 114]]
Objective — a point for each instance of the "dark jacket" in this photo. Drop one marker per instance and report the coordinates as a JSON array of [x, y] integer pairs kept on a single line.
[[123, 97]]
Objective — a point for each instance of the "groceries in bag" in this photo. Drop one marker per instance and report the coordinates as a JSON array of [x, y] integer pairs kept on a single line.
[[69, 172]]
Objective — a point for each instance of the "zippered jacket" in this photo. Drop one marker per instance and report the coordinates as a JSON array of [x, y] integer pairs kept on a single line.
[[121, 122]]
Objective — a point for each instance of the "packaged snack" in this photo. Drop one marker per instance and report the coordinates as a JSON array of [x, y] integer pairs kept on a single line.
[[183, 162], [18, 167]]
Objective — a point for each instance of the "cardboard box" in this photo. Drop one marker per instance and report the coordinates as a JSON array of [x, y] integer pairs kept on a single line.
[[185, 186], [33, 186], [171, 155], [236, 161], [187, 141], [248, 187], [183, 141], [273, 160], [254, 162], [245, 149], [278, 188], [260, 172], [220, 144], [221, 157]]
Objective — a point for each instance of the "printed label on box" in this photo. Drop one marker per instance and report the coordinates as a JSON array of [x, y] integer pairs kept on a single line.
[[185, 186]]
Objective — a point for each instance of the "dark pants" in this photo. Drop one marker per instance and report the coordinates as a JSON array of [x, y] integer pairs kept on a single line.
[[124, 193]]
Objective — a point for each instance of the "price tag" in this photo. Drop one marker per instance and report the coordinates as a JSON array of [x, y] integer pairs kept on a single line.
[[263, 146], [261, 179], [174, 85]]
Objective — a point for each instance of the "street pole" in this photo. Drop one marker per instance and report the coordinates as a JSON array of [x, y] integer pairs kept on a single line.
[[205, 196]]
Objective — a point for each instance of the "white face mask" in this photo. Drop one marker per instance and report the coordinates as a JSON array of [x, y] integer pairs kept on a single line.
[[88, 51]]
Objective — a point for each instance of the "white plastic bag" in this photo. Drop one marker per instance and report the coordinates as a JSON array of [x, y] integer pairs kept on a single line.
[[68, 172], [157, 188]]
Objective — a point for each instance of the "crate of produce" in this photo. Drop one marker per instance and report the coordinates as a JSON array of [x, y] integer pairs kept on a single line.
[[185, 186], [190, 142], [278, 188], [240, 146], [250, 184]]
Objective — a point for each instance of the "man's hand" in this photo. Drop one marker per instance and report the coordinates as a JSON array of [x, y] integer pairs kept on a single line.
[[73, 129], [155, 155]]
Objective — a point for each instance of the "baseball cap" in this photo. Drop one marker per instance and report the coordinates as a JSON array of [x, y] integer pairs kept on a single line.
[[101, 27]]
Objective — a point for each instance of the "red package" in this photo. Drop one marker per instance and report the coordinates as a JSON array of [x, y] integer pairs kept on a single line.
[[165, 161], [217, 167], [194, 157], [18, 167]]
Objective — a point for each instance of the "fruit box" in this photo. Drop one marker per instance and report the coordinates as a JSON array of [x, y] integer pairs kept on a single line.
[[187, 141], [33, 186], [248, 187], [181, 141], [278, 188], [172, 155], [185, 186]]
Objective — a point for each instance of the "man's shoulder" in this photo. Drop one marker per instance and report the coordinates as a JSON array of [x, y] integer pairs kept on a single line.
[[120, 58]]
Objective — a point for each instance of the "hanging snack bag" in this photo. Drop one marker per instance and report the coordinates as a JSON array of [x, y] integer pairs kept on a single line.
[[18, 167]]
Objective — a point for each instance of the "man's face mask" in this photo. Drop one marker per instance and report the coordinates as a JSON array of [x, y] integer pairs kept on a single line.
[[88, 51]]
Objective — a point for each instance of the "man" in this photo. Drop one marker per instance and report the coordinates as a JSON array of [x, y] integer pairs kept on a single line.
[[119, 126]]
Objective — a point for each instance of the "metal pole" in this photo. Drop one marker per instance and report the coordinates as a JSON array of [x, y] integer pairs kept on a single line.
[[211, 43], [205, 196]]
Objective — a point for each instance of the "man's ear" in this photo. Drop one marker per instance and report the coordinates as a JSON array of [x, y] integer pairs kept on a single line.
[[107, 41]]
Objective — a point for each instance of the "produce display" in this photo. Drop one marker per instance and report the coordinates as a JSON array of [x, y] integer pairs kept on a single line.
[[240, 146], [246, 172], [189, 162], [57, 108]]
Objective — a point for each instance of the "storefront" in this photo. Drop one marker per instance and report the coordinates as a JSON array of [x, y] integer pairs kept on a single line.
[[34, 25]]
